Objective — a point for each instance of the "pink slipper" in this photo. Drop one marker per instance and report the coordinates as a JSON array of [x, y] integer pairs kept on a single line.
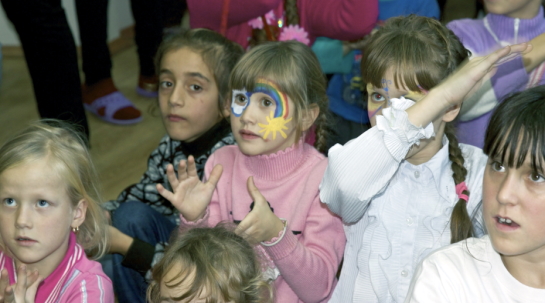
[[106, 108]]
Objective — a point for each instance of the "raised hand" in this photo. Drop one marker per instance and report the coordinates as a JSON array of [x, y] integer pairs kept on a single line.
[[461, 84], [24, 291], [189, 195], [469, 76], [4, 282], [261, 224]]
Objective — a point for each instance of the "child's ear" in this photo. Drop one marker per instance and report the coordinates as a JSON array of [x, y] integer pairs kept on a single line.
[[451, 113], [226, 112], [79, 213], [310, 117]]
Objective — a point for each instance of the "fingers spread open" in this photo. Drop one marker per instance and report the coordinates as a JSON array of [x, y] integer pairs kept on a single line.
[[165, 193], [191, 167], [215, 175]]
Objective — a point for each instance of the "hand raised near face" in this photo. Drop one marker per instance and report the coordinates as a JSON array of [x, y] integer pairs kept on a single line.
[[189, 195], [24, 291], [261, 224]]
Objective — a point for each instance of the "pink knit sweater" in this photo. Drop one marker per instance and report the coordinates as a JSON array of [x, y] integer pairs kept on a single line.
[[76, 279], [310, 251], [337, 19]]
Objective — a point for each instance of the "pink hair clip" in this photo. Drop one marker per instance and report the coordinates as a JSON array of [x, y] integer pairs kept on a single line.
[[459, 191]]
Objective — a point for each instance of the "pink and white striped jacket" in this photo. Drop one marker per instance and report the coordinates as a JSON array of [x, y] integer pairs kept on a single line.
[[76, 279]]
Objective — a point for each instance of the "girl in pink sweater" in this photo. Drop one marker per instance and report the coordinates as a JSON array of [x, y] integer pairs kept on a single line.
[[270, 180], [49, 216]]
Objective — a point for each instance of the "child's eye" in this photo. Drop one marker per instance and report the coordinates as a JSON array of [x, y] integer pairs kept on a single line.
[[535, 177], [240, 99], [165, 84], [9, 202], [376, 97], [497, 166], [195, 87], [42, 203], [266, 102]]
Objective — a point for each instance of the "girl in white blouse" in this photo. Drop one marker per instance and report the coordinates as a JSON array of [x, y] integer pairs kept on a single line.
[[507, 264], [403, 187]]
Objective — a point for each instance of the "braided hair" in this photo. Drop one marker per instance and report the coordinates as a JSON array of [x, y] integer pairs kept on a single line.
[[421, 52]]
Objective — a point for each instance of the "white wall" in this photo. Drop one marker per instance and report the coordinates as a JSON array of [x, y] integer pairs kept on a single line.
[[119, 17]]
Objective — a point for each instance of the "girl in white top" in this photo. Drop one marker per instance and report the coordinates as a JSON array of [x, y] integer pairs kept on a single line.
[[401, 185], [507, 265]]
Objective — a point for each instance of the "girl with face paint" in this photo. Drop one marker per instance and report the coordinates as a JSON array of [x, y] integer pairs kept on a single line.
[[405, 187], [269, 181]]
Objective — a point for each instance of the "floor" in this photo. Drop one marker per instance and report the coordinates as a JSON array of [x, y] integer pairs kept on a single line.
[[119, 152]]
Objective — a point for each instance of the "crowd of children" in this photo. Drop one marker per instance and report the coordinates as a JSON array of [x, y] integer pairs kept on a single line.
[[237, 206]]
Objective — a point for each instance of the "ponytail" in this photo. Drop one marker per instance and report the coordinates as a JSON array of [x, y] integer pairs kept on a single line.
[[461, 226]]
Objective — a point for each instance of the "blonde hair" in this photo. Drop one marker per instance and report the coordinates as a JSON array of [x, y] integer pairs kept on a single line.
[[67, 154], [218, 53], [225, 266], [421, 52], [296, 70]]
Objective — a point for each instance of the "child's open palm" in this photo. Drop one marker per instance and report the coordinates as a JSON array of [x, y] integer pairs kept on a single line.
[[261, 224], [24, 291], [189, 195]]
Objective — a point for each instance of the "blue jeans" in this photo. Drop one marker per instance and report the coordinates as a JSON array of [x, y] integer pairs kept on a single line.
[[137, 220]]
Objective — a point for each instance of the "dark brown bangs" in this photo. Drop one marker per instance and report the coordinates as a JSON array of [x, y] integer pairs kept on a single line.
[[410, 59], [517, 129]]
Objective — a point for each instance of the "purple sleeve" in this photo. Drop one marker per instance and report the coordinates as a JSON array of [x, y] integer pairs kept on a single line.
[[510, 77]]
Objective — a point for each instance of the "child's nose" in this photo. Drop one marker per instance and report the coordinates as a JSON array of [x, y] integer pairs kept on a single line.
[[23, 217], [249, 114], [177, 98], [507, 193]]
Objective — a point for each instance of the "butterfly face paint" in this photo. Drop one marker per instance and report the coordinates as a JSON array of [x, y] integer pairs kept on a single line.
[[415, 96], [277, 120]]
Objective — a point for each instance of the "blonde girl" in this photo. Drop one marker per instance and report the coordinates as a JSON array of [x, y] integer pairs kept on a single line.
[[269, 185], [507, 264], [212, 264], [50, 218], [403, 189]]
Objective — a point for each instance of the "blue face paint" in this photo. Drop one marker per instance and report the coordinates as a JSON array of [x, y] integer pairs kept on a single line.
[[385, 84], [239, 102]]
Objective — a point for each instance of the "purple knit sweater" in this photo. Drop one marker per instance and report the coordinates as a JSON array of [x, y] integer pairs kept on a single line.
[[484, 36]]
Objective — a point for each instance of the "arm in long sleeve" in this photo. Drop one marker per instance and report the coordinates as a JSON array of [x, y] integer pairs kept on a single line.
[[362, 168], [343, 20], [309, 264], [145, 190]]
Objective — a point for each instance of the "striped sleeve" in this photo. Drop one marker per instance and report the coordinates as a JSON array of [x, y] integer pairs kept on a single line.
[[91, 288]]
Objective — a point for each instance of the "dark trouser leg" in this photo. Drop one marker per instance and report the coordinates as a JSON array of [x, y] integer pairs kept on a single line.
[[137, 220], [51, 57]]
